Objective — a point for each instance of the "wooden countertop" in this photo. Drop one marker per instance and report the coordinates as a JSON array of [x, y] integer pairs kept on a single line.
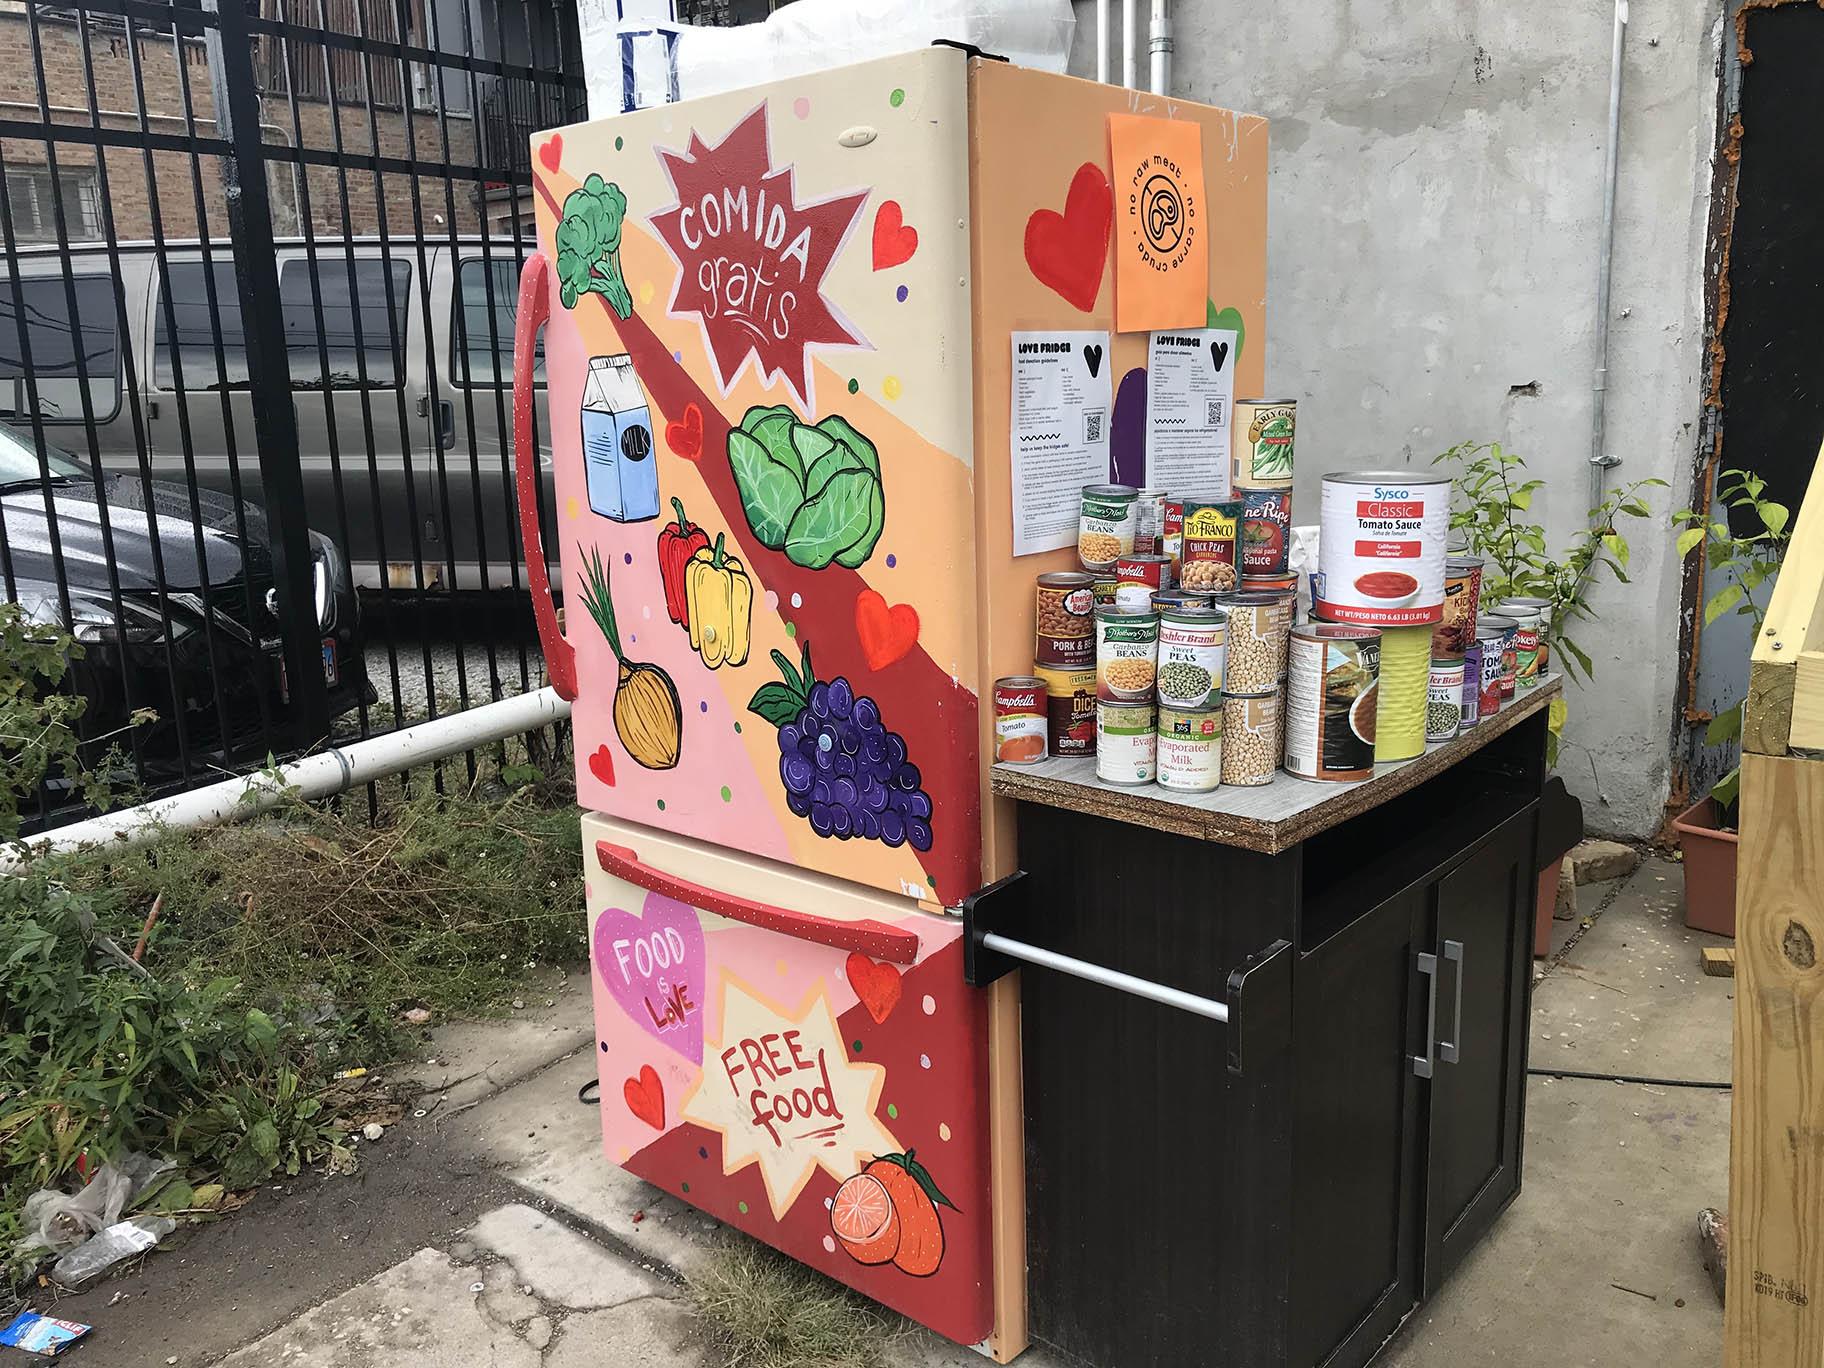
[[1268, 818]]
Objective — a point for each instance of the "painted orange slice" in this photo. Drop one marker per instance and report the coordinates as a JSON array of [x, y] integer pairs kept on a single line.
[[864, 1219]]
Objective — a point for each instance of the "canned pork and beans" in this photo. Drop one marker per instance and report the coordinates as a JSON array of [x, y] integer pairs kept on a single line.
[[1173, 657]]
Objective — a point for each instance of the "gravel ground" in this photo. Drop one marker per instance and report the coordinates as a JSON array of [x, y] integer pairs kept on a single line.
[[456, 640]]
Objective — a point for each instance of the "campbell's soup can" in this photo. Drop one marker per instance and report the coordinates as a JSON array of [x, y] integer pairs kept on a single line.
[[1266, 524], [1171, 538], [1529, 620], [1491, 636], [1138, 578], [1380, 552], [1332, 687], [1070, 710], [1260, 437], [1149, 522], [1462, 600], [1019, 720], [1509, 637], [1472, 685]]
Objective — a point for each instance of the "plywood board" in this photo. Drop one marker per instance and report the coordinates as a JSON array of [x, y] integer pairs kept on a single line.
[[1718, 961], [1785, 695], [1774, 1316], [1269, 818]]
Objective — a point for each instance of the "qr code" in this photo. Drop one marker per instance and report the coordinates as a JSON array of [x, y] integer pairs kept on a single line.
[[1092, 425], [1212, 413]]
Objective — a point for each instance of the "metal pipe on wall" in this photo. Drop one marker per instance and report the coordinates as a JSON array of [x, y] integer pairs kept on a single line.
[[1129, 41], [1600, 459], [1160, 43], [1102, 41]]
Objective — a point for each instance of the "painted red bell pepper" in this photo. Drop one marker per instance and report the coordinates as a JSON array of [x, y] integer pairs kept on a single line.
[[678, 542]]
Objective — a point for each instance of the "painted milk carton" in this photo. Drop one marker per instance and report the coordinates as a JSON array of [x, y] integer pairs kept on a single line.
[[618, 459]]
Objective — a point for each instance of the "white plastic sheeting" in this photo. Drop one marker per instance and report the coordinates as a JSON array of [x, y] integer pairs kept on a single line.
[[634, 55]]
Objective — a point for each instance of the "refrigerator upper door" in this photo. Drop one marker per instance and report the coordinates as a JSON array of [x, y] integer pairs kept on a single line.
[[759, 373], [801, 1059]]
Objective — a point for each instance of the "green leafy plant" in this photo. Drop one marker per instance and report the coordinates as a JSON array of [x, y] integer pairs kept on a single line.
[[1493, 497], [589, 245], [1746, 564], [812, 491]]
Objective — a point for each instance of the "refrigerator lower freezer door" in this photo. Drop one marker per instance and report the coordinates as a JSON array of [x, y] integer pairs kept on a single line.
[[803, 1062]]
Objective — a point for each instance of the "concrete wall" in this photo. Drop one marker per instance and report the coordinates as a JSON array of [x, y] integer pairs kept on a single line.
[[1434, 214]]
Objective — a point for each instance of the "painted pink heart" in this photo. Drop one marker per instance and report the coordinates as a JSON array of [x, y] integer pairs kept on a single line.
[[654, 968]]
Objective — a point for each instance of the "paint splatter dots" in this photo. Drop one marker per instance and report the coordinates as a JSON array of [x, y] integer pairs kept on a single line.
[[703, 705], [892, 1112], [791, 629], [897, 98], [943, 1130], [901, 293], [891, 387], [728, 795], [661, 805], [604, 1047], [737, 729], [702, 1152], [772, 600], [857, 1047], [929, 1005], [781, 967], [618, 144], [645, 608], [924, 1061], [645, 292], [797, 600], [741, 1207], [571, 508], [829, 1204], [801, 107], [627, 559], [854, 385], [684, 1187], [678, 356], [892, 560], [829, 1245]]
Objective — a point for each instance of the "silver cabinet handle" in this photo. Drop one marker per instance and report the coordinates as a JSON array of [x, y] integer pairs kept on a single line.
[[1428, 966], [1447, 1049]]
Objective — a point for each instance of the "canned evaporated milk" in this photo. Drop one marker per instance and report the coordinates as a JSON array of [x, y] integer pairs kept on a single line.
[[1381, 548], [1189, 752], [1331, 691], [1125, 743]]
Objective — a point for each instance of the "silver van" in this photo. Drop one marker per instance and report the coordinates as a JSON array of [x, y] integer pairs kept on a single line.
[[403, 398]]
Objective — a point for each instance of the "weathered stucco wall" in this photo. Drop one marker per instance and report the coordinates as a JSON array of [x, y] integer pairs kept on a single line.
[[1434, 219]]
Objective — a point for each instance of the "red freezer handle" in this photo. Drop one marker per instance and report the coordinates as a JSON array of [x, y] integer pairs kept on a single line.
[[534, 309], [874, 939]]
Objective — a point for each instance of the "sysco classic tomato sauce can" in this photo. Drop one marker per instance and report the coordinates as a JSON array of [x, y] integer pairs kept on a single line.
[[1380, 552], [1019, 719]]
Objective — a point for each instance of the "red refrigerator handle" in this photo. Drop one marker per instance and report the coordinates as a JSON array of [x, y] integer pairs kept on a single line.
[[874, 939], [534, 309]]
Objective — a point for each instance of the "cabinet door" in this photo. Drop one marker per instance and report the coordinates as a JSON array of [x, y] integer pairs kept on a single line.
[[1482, 934], [1359, 1009]]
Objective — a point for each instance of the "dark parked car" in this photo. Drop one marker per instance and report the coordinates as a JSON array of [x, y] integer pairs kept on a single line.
[[225, 687]]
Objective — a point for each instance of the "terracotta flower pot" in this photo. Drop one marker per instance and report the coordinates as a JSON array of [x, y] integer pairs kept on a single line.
[[1709, 869]]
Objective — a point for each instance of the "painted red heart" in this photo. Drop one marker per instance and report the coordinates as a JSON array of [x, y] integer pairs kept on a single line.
[[877, 985], [894, 239], [646, 1097], [601, 765], [685, 435], [551, 151], [1068, 251], [886, 633]]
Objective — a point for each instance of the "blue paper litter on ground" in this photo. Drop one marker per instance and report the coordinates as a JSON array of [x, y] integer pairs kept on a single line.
[[44, 1335]]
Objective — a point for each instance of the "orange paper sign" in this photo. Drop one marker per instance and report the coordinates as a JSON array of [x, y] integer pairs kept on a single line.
[[1162, 260]]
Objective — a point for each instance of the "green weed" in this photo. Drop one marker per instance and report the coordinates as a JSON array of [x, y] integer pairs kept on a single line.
[[767, 1311]]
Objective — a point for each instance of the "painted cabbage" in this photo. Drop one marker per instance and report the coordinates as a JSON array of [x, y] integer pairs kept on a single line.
[[809, 490]]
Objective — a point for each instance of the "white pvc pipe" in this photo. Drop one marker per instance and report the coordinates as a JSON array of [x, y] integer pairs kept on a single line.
[[1160, 44], [1600, 459], [1128, 42], [1102, 41], [322, 775], [1109, 978]]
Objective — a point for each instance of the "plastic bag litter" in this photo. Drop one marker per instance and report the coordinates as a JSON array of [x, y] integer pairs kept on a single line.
[[99, 1253], [60, 1221]]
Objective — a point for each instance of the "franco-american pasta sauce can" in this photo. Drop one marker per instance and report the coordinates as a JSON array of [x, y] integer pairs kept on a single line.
[[1380, 553]]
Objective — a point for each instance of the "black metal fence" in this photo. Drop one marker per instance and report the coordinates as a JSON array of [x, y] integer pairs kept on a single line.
[[256, 344]]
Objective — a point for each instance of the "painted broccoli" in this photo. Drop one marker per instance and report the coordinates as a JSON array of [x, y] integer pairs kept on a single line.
[[589, 245]]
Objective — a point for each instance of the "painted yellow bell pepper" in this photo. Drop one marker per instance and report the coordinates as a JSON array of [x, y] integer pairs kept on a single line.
[[720, 601]]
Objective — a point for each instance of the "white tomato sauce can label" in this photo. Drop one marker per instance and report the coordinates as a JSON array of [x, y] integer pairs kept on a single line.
[[1380, 553]]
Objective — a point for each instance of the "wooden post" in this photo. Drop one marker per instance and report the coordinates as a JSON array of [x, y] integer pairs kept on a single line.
[[1774, 1317]]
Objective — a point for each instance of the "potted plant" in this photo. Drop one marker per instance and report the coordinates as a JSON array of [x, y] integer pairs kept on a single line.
[[1747, 565], [1490, 518]]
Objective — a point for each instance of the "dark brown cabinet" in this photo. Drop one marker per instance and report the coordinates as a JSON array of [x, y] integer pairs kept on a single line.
[[1376, 975]]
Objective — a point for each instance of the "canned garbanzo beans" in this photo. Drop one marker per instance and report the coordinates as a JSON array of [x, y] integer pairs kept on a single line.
[[1066, 620], [1189, 751], [1266, 526], [1070, 710], [1261, 440], [1208, 559], [1331, 691], [1019, 719], [1127, 649], [1149, 522], [1192, 642], [1138, 578], [1105, 526], [1258, 624], [1250, 738], [1126, 743]]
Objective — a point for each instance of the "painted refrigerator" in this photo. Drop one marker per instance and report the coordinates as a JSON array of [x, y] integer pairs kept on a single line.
[[776, 340]]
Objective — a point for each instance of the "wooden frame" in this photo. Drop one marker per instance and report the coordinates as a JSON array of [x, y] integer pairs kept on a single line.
[[1774, 1316]]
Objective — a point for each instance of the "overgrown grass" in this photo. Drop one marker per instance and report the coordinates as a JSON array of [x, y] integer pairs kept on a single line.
[[285, 950], [767, 1311]]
